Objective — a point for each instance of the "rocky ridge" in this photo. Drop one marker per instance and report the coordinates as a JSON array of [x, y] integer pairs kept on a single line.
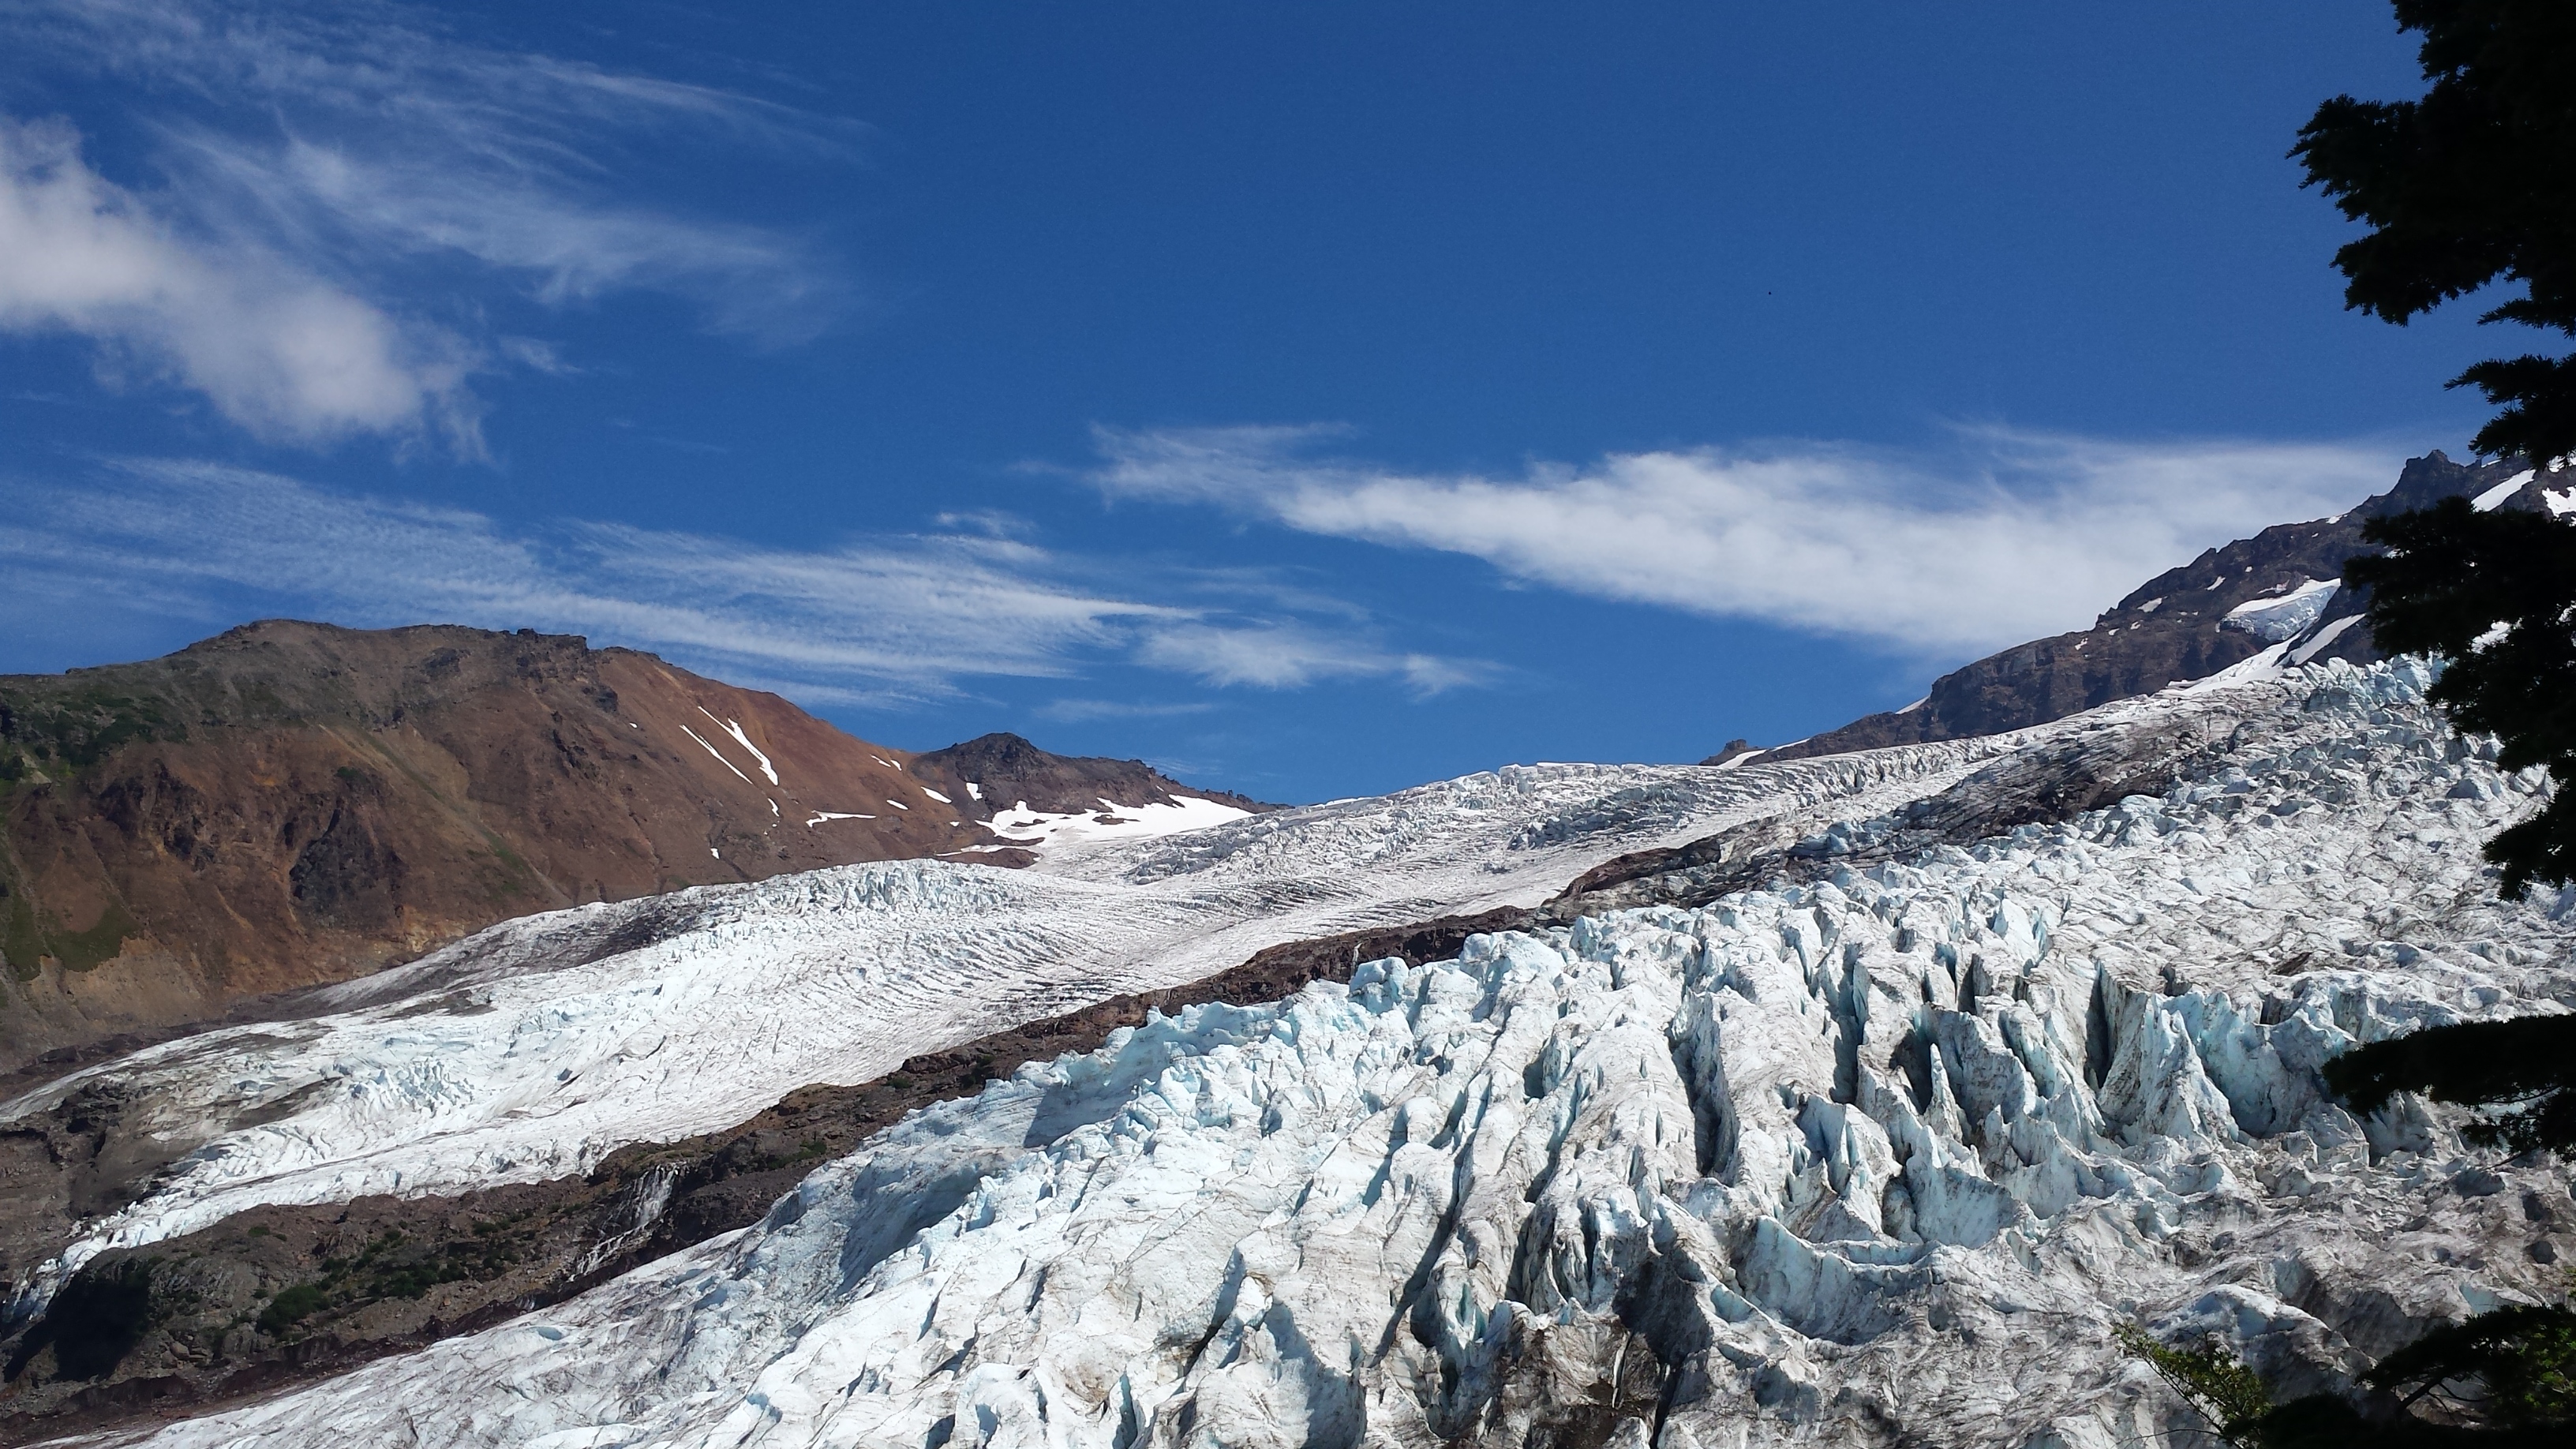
[[1006, 770], [2187, 623]]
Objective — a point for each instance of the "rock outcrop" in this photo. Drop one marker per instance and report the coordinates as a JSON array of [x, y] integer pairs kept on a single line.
[[2188, 623]]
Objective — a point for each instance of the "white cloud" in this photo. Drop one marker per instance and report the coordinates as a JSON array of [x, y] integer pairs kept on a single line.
[[2005, 537], [320, 159], [536, 355], [874, 619], [1081, 711], [360, 122], [1292, 655], [279, 351], [463, 192]]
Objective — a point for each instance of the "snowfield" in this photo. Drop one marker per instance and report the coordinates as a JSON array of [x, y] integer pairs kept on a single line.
[[1872, 1154]]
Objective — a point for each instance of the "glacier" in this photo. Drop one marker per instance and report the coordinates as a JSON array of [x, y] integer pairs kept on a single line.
[[534, 1049], [1875, 1152]]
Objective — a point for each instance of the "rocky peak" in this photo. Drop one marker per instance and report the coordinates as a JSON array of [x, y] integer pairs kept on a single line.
[[1007, 770], [2231, 603]]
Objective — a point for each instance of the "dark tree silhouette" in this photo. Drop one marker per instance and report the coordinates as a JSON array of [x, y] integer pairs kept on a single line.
[[2495, 593], [2473, 186]]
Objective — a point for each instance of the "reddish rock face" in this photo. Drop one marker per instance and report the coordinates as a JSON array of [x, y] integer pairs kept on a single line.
[[289, 804]]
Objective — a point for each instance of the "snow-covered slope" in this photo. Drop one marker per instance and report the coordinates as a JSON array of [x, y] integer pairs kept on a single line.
[[533, 1049], [1877, 1158], [1045, 833]]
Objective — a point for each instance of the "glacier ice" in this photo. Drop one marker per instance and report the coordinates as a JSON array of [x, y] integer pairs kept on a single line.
[[2283, 616], [1875, 1156], [534, 1049]]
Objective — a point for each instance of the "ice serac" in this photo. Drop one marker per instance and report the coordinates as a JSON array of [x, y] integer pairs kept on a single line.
[[1875, 1153]]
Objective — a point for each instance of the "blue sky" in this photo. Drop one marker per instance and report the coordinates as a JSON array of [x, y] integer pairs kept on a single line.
[[1314, 400]]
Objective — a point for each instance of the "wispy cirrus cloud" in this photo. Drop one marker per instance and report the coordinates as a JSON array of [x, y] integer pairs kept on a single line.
[[876, 619], [325, 178], [278, 350], [1290, 655], [1083, 711], [2000, 537]]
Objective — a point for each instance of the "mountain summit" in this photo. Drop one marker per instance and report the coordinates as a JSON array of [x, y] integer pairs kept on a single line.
[[289, 804], [1005, 770]]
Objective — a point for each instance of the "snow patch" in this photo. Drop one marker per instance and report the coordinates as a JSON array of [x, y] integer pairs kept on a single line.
[[2284, 616], [2325, 638], [2255, 670], [734, 728], [2494, 498], [1038, 830], [710, 749]]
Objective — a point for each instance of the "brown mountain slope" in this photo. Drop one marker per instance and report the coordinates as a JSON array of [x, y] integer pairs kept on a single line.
[[2175, 627], [288, 804]]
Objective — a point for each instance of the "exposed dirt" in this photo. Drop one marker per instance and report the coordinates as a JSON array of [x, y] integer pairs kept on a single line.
[[279, 1294]]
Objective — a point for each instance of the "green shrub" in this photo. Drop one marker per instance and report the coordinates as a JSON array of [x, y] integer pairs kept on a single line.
[[290, 1307], [2227, 1395]]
